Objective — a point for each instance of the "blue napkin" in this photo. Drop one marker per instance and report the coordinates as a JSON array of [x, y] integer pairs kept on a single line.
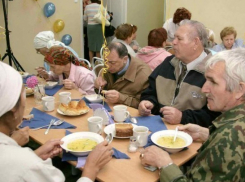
[[51, 92], [24, 79], [106, 106], [154, 123], [119, 155], [41, 119]]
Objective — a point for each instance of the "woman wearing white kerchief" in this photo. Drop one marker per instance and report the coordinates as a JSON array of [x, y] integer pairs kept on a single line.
[[23, 164], [44, 40]]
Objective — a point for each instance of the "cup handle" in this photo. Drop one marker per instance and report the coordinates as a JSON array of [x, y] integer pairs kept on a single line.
[[46, 106], [68, 99], [126, 114], [99, 126], [138, 139]]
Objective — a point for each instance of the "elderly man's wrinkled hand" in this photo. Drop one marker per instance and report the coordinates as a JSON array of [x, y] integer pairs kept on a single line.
[[100, 82], [154, 156], [112, 96], [21, 136], [197, 132], [171, 115], [68, 84], [97, 159], [50, 149], [145, 108]]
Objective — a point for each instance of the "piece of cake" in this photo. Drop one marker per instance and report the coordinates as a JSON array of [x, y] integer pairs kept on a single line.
[[124, 130]]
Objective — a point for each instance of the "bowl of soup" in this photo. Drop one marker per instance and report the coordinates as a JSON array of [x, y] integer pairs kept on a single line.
[[165, 140], [81, 143]]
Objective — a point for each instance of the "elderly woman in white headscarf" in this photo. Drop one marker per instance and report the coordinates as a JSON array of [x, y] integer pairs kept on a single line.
[[45, 40], [23, 164]]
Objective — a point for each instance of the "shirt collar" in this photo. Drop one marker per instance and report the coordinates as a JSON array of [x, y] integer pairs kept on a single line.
[[192, 65], [231, 115], [123, 71]]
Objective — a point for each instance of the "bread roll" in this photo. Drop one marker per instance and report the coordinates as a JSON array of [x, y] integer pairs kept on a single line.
[[74, 108], [29, 90], [124, 130]]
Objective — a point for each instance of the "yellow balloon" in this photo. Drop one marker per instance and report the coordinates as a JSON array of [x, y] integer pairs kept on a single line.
[[58, 25]]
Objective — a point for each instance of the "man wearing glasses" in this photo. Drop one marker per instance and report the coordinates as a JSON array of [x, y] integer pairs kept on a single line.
[[125, 78]]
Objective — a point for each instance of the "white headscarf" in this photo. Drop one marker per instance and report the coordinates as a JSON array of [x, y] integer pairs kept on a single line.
[[46, 39], [10, 87]]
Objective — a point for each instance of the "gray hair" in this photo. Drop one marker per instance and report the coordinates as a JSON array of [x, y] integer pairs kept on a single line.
[[119, 47], [199, 30], [234, 66]]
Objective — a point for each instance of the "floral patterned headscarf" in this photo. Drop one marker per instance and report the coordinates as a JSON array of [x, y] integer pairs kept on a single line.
[[62, 56]]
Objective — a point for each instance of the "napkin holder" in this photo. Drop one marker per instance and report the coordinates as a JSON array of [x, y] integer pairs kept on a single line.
[[99, 110]]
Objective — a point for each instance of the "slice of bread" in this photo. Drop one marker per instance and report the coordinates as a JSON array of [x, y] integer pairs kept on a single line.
[[124, 130]]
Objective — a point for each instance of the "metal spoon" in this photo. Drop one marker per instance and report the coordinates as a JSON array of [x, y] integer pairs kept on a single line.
[[133, 119], [176, 132], [56, 123], [109, 138], [98, 96]]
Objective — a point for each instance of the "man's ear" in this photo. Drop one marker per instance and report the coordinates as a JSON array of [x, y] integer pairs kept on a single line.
[[125, 59], [241, 92]]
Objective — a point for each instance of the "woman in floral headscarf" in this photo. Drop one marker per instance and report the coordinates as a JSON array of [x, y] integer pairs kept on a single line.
[[66, 68]]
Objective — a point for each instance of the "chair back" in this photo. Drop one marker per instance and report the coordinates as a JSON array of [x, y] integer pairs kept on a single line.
[[96, 60], [170, 49], [97, 69], [86, 62]]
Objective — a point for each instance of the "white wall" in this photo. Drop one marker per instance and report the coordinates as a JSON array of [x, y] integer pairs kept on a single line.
[[119, 9], [26, 19], [214, 14]]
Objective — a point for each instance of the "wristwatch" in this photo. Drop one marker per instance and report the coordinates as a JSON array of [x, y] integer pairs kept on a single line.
[[163, 167]]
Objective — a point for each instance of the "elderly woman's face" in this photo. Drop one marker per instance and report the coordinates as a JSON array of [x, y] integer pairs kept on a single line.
[[228, 41], [57, 69]]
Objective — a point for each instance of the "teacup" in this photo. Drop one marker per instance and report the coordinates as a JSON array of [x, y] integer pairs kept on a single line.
[[141, 134], [120, 113], [95, 124], [65, 97], [48, 103]]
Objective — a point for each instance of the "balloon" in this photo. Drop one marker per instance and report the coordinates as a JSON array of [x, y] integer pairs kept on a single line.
[[66, 39], [58, 25], [49, 9]]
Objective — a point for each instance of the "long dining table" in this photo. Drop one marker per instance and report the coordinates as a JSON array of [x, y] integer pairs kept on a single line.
[[119, 170]]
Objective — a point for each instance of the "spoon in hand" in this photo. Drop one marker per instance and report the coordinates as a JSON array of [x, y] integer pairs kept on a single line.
[[109, 138]]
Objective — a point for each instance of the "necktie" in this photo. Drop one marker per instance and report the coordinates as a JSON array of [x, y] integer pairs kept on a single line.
[[181, 76]]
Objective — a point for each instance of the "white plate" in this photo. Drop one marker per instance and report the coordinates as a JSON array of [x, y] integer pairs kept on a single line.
[[188, 139], [60, 112], [111, 129], [50, 85], [93, 98], [79, 135], [24, 74]]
